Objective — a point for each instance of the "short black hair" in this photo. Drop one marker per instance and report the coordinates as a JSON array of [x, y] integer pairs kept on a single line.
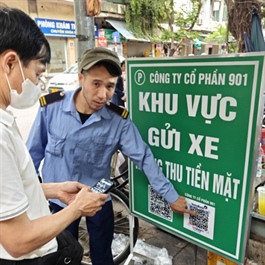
[[20, 33]]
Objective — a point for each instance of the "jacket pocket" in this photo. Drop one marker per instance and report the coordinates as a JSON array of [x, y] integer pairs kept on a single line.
[[55, 145], [100, 150]]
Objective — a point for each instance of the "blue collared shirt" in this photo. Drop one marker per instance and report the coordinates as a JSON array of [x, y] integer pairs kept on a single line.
[[82, 152]]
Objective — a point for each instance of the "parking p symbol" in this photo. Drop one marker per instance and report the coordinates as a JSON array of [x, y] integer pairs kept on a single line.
[[139, 77]]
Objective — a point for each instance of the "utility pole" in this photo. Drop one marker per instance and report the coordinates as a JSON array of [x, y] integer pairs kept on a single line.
[[85, 33]]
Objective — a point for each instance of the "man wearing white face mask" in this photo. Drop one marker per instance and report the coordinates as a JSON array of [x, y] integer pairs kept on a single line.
[[29, 233], [29, 95]]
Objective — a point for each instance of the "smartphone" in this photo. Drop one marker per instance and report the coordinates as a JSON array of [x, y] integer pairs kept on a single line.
[[103, 186]]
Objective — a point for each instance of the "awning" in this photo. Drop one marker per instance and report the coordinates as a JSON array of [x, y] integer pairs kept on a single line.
[[124, 31]]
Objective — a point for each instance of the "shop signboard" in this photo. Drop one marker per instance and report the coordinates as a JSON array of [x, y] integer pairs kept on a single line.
[[96, 29], [201, 117], [113, 36], [108, 34], [56, 28]]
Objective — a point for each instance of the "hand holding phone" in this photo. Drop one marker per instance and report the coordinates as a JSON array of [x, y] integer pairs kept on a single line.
[[103, 186]]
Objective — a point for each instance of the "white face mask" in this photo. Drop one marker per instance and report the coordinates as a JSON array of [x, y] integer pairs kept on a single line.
[[29, 95]]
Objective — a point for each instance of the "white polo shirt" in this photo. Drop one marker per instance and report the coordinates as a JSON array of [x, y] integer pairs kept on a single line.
[[20, 190]]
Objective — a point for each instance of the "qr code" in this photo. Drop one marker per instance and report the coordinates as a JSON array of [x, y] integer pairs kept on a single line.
[[158, 205], [200, 222]]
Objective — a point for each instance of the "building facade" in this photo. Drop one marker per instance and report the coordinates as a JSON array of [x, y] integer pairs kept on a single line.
[[213, 14], [56, 18]]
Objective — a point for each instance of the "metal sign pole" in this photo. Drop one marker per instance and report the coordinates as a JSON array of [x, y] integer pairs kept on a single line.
[[195, 254], [132, 252], [136, 254], [131, 224]]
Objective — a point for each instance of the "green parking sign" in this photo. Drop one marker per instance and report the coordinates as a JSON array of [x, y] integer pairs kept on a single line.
[[201, 117]]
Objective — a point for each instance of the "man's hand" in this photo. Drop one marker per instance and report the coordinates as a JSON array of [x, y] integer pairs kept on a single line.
[[68, 190], [77, 196], [88, 203], [180, 206]]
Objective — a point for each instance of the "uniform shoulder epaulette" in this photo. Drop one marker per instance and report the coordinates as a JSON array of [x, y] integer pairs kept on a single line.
[[118, 109], [50, 98]]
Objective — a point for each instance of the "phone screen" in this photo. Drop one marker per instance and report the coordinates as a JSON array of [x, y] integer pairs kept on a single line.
[[103, 186]]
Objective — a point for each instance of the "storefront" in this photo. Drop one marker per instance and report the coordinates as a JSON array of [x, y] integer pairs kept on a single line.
[[61, 36], [119, 38]]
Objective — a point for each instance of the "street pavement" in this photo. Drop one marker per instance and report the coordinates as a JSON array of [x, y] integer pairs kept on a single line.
[[181, 251]]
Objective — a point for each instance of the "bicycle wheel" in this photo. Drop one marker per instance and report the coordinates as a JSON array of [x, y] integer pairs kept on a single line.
[[121, 238]]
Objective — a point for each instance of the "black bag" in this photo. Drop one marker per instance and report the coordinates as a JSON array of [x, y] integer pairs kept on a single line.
[[69, 251]]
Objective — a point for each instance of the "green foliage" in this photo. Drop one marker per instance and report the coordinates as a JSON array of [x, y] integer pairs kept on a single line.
[[232, 47], [218, 36], [221, 36], [144, 17], [187, 19]]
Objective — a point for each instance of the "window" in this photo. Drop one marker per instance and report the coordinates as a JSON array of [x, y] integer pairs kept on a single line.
[[225, 17], [216, 11], [58, 55]]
